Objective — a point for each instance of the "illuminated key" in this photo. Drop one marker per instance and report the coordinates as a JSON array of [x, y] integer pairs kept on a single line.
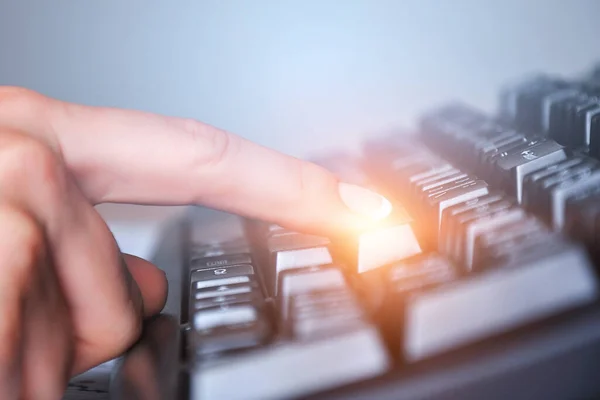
[[385, 245]]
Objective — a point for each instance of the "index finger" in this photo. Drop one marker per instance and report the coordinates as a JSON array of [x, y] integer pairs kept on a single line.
[[134, 157]]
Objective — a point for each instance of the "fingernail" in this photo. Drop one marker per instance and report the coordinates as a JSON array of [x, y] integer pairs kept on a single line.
[[364, 201]]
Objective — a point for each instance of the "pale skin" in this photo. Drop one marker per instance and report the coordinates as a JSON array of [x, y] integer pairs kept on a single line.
[[69, 299]]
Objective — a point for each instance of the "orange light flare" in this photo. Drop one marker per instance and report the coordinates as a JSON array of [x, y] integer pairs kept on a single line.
[[383, 240]]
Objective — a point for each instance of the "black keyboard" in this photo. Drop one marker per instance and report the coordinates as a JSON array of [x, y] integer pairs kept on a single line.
[[488, 291]]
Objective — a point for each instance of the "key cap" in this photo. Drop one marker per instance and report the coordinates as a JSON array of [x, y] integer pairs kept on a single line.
[[573, 108], [469, 149], [561, 120], [324, 314], [512, 250], [226, 271], [230, 299], [550, 100], [446, 238], [403, 280], [432, 188], [385, 244], [306, 280], [420, 272], [580, 217], [559, 193], [580, 137], [499, 247], [220, 261], [543, 185], [223, 281], [512, 169], [295, 251], [215, 234], [472, 230], [209, 250], [294, 241], [437, 202], [228, 328], [532, 180], [223, 316], [557, 118], [457, 225], [496, 301], [487, 150], [584, 123], [224, 290], [281, 371]]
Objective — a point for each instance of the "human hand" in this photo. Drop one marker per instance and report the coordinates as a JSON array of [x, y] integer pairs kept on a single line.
[[69, 299]]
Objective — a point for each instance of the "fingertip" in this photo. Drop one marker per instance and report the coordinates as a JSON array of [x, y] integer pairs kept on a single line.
[[365, 202], [152, 282]]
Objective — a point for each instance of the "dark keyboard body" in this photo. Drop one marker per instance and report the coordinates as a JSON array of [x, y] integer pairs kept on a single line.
[[489, 292]]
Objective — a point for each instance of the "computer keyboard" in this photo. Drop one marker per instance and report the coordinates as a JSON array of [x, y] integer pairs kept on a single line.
[[483, 284]]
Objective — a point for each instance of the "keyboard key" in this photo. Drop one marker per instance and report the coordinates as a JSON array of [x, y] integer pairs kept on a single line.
[[210, 319], [531, 182], [557, 190], [324, 313], [491, 221], [293, 369], [581, 213], [292, 259], [291, 250], [306, 280], [222, 272], [583, 123], [223, 281], [385, 244], [513, 249], [220, 261], [420, 272], [294, 241], [486, 304], [550, 100], [498, 246], [227, 328], [230, 299], [580, 137], [303, 258], [511, 169], [437, 202], [224, 290], [215, 234], [457, 227], [447, 229]]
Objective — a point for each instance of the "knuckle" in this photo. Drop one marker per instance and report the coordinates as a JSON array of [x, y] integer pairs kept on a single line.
[[122, 332], [22, 242], [210, 146], [16, 95], [24, 160], [16, 101]]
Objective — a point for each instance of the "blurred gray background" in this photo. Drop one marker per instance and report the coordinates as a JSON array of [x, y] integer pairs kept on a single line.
[[298, 76]]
